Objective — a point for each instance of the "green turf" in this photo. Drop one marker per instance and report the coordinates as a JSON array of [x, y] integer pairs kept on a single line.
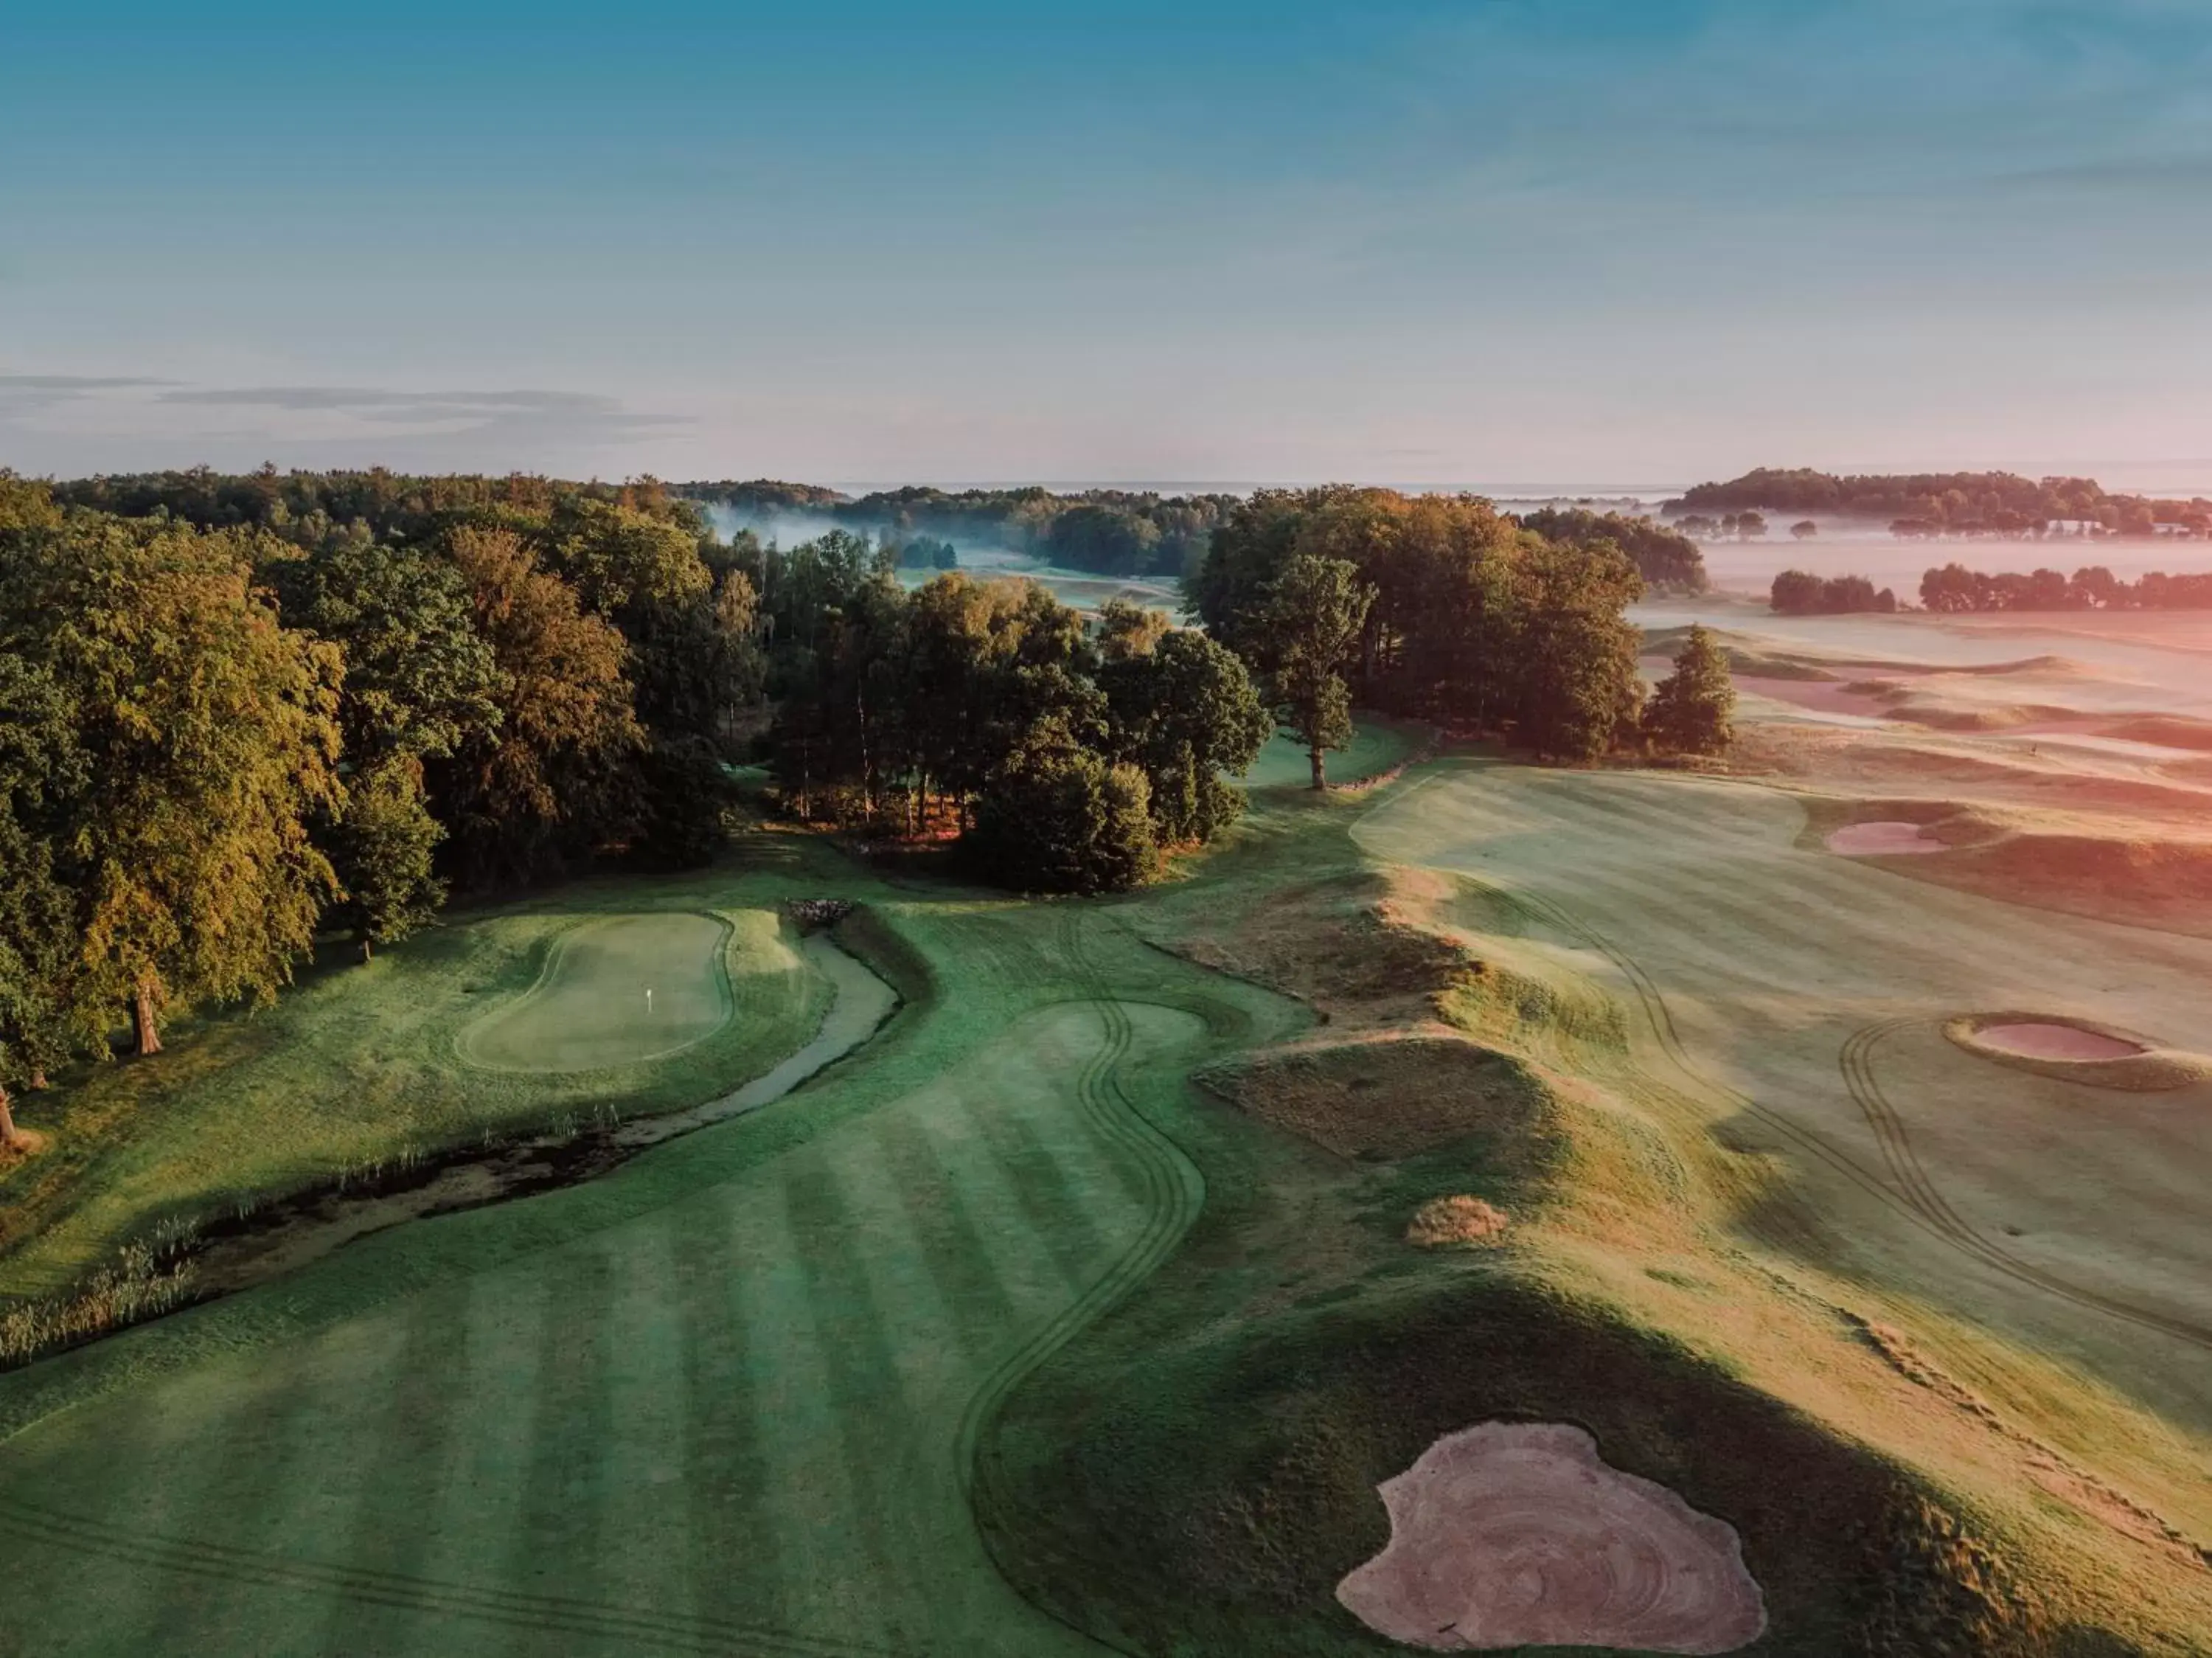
[[359, 1065], [1376, 746], [615, 992], [718, 1401], [1000, 1327]]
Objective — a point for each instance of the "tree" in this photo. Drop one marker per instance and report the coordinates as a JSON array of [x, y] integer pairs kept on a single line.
[[1125, 631], [1186, 714], [1750, 525], [209, 741], [1804, 529], [1313, 618], [546, 784], [1690, 712], [1578, 686], [382, 847], [40, 770], [419, 682], [38, 937], [1065, 820]]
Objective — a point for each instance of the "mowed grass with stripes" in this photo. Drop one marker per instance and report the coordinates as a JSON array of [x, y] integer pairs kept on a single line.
[[724, 1399], [1081, 1308]]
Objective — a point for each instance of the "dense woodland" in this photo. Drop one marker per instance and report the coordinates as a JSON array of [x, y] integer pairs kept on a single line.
[[239, 714], [1801, 593], [1955, 588], [1136, 532], [1436, 607], [1939, 504]]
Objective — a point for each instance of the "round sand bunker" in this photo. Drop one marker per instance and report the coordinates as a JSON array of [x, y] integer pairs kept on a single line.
[[1882, 840], [1516, 1534], [2037, 1040]]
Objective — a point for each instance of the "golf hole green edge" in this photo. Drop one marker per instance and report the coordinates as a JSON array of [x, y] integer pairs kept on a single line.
[[569, 1014], [1175, 1192]]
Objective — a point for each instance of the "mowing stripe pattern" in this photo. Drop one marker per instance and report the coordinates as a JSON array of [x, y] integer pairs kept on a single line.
[[750, 1422]]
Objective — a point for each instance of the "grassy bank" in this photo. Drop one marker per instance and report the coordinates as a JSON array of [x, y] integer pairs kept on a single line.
[[361, 1067]]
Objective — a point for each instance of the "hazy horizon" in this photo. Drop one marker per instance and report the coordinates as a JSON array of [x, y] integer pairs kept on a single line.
[[1535, 240]]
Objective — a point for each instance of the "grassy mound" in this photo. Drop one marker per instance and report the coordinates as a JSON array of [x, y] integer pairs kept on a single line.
[[1449, 1222], [1224, 1491], [1390, 1097], [1199, 1473]]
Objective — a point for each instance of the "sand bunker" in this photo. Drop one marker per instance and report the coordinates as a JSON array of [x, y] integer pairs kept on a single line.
[[2035, 1039], [1882, 839], [1514, 1534]]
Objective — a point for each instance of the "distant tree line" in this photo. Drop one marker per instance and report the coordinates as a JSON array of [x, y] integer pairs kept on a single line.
[[236, 711], [1438, 607], [1746, 525], [1127, 533], [1062, 754], [1800, 593], [1140, 534], [1665, 555], [1938, 504], [1954, 588]]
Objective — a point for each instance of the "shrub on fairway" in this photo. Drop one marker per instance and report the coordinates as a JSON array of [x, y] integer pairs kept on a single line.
[[1690, 711], [1068, 823]]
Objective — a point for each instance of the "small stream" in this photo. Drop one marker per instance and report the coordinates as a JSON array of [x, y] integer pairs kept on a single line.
[[235, 1255]]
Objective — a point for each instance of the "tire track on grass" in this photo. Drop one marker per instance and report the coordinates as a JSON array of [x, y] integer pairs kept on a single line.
[[1175, 1192], [1855, 1064], [1913, 1197]]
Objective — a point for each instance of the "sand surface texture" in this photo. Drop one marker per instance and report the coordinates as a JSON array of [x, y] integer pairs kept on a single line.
[[1514, 1534]]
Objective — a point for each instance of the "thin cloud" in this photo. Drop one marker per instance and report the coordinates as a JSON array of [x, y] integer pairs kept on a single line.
[[62, 420]]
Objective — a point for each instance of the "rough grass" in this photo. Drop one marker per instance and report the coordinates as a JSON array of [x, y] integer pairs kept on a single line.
[[1377, 746], [1673, 1284]]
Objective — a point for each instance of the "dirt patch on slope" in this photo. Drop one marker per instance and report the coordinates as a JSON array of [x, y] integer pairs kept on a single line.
[[1520, 1534], [1389, 1097], [1455, 1222]]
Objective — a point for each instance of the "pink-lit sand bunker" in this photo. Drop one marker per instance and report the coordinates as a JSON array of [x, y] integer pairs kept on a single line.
[[1516, 1534], [2040, 1040], [1885, 840]]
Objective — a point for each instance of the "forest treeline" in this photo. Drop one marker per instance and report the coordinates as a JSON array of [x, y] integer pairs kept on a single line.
[[1955, 588], [237, 712], [1934, 504], [1135, 533], [1801, 593], [1449, 612], [240, 713]]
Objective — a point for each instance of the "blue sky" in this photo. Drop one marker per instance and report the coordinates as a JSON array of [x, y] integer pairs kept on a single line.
[[1510, 242]]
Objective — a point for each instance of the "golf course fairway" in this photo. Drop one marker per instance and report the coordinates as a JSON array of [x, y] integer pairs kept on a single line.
[[1793, 1001], [722, 1400]]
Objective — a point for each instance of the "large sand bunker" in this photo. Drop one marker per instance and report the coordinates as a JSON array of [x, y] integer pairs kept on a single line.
[[2041, 1039], [2078, 1050], [1882, 839], [1513, 1534]]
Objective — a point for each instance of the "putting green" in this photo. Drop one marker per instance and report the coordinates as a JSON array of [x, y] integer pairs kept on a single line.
[[614, 991]]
